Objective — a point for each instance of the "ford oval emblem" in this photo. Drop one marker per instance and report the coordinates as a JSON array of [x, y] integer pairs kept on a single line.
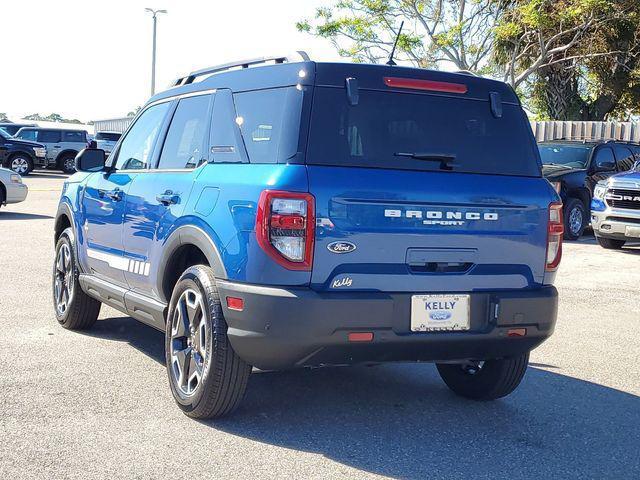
[[440, 315], [341, 247]]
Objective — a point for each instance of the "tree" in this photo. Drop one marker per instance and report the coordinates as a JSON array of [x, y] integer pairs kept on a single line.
[[556, 53], [455, 31], [3, 117], [576, 57]]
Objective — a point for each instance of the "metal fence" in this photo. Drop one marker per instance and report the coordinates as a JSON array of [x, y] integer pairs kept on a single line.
[[554, 130], [112, 124]]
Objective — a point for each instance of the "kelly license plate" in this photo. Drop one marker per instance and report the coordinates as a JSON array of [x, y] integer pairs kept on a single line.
[[439, 313]]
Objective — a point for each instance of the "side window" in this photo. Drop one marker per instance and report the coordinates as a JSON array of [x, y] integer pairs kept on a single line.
[[27, 135], [71, 136], [604, 160], [49, 136], [226, 139], [183, 146], [624, 157], [136, 148], [270, 123]]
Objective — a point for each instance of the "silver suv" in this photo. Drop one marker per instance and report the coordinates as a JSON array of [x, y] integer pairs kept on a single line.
[[62, 145], [615, 209]]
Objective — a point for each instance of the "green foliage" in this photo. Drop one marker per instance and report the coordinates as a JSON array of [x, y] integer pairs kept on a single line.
[[52, 117], [3, 117]]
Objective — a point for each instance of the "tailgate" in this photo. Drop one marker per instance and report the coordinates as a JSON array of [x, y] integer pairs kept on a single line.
[[427, 231]]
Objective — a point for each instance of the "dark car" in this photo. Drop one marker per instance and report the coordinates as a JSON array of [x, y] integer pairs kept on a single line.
[[21, 156], [575, 167], [12, 128]]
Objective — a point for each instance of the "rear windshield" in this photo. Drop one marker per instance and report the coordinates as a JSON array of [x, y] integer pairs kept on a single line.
[[574, 156], [385, 129], [110, 137]]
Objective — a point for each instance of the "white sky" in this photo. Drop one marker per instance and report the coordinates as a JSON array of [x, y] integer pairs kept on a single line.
[[91, 59]]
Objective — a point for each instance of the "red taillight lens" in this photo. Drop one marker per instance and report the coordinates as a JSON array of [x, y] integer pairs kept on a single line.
[[431, 85], [555, 230], [285, 227], [235, 303]]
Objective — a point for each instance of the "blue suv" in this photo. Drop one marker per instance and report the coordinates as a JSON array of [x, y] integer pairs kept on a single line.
[[279, 214]]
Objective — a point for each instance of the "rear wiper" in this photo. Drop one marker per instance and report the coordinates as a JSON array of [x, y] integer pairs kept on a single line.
[[445, 159]]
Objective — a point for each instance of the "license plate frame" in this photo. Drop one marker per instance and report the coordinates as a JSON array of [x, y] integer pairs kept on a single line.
[[435, 313]]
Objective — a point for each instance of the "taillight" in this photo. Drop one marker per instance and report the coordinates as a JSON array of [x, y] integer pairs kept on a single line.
[[555, 230], [285, 227]]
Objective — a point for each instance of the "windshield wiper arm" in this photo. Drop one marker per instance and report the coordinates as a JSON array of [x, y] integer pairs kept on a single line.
[[445, 159]]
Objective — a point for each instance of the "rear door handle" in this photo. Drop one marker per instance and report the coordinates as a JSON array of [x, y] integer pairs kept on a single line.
[[168, 198]]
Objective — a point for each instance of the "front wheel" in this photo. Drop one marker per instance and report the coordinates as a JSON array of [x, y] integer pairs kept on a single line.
[[206, 376], [610, 243], [74, 309], [21, 164], [575, 219], [488, 380]]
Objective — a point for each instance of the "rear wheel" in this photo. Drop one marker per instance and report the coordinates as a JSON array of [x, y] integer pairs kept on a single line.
[[74, 309], [21, 164], [575, 219], [67, 163], [206, 376], [487, 380], [610, 243]]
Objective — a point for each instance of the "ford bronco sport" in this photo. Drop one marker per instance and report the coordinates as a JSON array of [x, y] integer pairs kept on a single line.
[[306, 214]]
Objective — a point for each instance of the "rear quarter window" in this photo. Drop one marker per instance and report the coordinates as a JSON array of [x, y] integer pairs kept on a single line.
[[269, 122], [383, 124]]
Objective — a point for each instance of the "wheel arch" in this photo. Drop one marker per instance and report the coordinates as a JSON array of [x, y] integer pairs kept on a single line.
[[186, 246], [64, 219]]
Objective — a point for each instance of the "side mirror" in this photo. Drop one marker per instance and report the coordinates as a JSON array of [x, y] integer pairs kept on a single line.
[[605, 166], [90, 160]]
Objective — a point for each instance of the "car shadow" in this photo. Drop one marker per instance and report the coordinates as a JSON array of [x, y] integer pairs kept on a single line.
[[399, 420], [4, 215]]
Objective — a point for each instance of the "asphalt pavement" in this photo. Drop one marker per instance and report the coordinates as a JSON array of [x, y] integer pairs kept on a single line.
[[96, 405]]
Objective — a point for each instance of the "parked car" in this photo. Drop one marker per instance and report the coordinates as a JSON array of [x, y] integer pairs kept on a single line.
[[12, 128], [107, 141], [575, 167], [314, 215], [615, 209], [21, 156], [62, 144], [12, 190]]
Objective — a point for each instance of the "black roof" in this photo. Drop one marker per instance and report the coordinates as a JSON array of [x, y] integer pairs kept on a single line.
[[334, 75]]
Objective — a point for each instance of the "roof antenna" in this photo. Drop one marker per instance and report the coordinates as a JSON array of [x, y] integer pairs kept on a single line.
[[393, 50]]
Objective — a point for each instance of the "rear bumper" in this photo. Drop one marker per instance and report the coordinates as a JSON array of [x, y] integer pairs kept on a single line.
[[16, 193], [286, 328]]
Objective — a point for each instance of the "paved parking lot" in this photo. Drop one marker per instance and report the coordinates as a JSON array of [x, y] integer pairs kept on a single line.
[[97, 404]]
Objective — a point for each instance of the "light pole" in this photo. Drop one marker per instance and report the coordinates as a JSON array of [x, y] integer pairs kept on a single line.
[[153, 54]]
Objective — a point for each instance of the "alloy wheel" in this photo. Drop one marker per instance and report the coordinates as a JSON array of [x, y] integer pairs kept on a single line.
[[19, 165], [575, 220], [189, 334], [64, 279], [69, 164]]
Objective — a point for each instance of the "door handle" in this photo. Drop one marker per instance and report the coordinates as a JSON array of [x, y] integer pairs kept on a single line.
[[168, 198], [115, 195]]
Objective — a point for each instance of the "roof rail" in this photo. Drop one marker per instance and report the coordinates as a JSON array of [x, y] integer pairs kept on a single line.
[[187, 79]]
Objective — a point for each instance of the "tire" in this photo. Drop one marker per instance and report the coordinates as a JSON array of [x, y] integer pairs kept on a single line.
[[206, 376], [20, 164], [610, 243], [575, 219], [494, 379], [80, 311], [67, 163], [3, 196]]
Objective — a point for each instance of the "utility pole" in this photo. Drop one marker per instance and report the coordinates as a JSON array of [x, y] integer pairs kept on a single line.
[[153, 53]]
